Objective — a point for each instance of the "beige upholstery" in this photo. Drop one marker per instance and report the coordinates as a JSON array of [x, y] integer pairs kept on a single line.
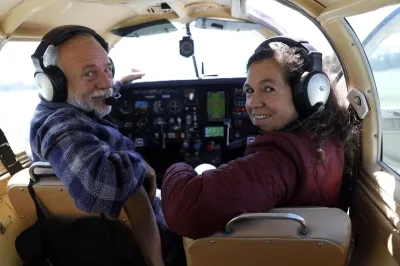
[[261, 241], [252, 241], [57, 202], [50, 192]]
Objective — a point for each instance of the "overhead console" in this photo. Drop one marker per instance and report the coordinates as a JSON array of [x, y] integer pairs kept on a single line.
[[195, 121]]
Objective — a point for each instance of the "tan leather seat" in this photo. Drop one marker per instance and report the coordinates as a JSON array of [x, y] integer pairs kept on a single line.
[[50, 192], [277, 238]]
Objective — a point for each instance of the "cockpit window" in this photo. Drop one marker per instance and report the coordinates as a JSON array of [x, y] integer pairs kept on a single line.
[[277, 14], [18, 93], [218, 53]]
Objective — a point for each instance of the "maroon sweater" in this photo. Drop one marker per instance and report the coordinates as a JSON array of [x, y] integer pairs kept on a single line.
[[278, 169]]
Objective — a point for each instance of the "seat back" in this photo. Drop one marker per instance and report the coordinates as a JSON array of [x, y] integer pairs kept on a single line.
[[50, 192], [283, 236]]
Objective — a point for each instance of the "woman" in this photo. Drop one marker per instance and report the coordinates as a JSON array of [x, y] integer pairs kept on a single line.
[[298, 160]]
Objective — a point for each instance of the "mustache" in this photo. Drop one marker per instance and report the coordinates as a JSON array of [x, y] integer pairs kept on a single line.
[[102, 93]]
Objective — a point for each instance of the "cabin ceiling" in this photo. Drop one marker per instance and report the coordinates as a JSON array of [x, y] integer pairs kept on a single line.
[[327, 3], [27, 19]]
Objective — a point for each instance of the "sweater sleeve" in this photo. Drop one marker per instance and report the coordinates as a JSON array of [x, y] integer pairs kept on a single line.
[[199, 205], [98, 177]]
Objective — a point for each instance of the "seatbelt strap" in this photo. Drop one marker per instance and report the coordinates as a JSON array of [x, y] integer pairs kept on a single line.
[[39, 212], [7, 156], [29, 244]]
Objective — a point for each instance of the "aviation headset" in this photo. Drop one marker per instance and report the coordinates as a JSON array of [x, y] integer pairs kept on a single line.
[[51, 81], [311, 88]]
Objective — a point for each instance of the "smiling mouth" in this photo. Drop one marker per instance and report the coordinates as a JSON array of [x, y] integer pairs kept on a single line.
[[261, 117]]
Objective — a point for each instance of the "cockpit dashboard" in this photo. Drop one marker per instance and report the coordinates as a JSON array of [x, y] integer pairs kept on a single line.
[[192, 121]]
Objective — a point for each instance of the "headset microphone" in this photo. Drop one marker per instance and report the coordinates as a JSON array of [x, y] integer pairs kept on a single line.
[[112, 99]]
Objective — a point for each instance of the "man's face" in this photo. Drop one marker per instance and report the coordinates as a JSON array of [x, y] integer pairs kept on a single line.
[[88, 70]]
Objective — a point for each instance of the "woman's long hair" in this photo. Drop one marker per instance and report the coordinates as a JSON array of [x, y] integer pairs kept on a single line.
[[335, 119]]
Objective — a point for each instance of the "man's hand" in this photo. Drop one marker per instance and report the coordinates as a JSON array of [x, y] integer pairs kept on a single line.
[[131, 77], [150, 183]]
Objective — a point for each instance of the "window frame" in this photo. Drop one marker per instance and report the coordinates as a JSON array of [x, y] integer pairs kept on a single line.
[[374, 38]]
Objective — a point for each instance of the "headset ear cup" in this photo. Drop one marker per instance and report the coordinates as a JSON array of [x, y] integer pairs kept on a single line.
[[113, 67], [45, 85], [318, 88], [311, 89], [59, 82], [300, 97]]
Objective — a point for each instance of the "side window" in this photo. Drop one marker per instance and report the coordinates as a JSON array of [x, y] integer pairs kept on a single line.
[[380, 37], [18, 94]]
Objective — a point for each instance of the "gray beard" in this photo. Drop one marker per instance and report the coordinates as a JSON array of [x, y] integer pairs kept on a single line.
[[88, 104]]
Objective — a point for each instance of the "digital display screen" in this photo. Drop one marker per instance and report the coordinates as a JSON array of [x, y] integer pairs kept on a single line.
[[214, 132], [141, 105], [216, 106]]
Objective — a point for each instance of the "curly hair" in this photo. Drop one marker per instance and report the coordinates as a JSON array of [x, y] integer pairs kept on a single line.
[[335, 119]]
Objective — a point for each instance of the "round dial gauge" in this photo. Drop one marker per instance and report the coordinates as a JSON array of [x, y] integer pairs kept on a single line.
[[158, 107], [174, 107], [125, 107]]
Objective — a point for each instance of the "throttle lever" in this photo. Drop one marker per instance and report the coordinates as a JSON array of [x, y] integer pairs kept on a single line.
[[227, 124], [237, 144], [161, 133]]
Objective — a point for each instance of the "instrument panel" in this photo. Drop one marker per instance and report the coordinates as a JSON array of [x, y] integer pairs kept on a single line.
[[195, 121]]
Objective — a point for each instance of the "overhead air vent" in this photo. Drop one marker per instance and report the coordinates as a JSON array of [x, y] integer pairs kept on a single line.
[[202, 6], [159, 9]]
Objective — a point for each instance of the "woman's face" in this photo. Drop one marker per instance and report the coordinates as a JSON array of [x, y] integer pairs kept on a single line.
[[269, 101]]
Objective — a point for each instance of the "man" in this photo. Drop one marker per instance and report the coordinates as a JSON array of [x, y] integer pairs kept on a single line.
[[97, 164]]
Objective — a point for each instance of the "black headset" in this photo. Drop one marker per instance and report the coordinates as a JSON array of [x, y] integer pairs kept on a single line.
[[311, 88], [51, 81]]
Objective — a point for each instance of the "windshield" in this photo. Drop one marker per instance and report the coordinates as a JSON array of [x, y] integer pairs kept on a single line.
[[223, 54]]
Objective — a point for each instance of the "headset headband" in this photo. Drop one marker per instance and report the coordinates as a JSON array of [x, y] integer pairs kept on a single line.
[[314, 57], [59, 35]]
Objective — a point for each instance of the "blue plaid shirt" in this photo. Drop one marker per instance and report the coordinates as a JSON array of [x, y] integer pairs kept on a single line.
[[97, 164]]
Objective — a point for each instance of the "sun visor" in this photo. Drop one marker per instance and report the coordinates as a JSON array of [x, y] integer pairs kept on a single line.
[[143, 29], [228, 25]]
